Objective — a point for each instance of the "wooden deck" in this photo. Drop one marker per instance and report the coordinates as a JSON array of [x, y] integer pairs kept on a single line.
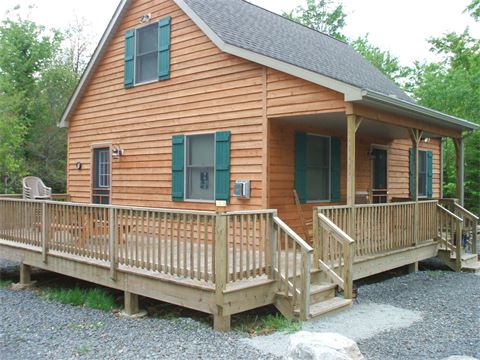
[[224, 263]]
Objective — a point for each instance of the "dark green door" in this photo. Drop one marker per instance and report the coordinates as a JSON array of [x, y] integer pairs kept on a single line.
[[379, 175]]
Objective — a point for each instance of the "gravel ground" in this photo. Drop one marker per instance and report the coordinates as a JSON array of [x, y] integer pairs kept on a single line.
[[32, 328], [450, 307], [449, 304]]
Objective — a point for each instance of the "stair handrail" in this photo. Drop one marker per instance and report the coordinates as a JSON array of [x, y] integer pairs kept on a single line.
[[455, 231], [299, 289], [329, 259], [472, 221]]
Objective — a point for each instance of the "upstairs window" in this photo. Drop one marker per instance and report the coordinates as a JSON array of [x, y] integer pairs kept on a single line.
[[147, 53]]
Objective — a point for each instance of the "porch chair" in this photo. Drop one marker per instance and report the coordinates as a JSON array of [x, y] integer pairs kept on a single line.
[[34, 188]]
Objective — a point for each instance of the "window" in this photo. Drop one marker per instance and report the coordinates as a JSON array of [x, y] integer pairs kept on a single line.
[[200, 167], [422, 173], [318, 168], [146, 53]]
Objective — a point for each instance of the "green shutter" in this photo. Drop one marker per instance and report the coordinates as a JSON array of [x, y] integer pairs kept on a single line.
[[129, 58], [178, 164], [429, 174], [411, 158], [222, 165], [301, 166], [335, 169], [164, 48]]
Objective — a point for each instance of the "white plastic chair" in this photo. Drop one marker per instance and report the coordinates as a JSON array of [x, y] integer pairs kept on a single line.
[[34, 188]]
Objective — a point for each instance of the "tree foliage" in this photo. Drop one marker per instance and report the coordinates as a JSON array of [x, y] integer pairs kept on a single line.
[[37, 76], [452, 85], [328, 17], [383, 60], [322, 16]]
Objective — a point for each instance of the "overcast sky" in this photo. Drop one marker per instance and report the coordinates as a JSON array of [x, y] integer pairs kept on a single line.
[[399, 26]]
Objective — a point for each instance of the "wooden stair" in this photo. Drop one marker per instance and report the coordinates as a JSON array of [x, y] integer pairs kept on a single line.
[[322, 302], [469, 262]]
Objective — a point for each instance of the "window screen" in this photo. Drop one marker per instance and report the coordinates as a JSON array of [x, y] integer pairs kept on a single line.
[[146, 53], [318, 167], [200, 167]]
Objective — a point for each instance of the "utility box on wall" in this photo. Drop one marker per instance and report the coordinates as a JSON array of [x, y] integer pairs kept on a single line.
[[241, 189]]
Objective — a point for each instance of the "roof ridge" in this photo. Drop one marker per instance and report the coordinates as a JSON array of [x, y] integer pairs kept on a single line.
[[296, 22]]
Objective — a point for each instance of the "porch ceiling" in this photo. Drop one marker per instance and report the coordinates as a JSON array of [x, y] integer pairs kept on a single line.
[[338, 123]]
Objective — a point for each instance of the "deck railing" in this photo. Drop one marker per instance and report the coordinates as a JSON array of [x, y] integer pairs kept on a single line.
[[249, 244], [379, 228], [197, 245], [292, 261], [333, 253]]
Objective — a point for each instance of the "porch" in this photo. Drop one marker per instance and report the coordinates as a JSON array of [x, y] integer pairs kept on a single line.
[[226, 263]]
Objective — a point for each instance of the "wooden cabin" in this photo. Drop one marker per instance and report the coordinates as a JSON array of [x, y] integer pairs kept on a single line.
[[221, 157]]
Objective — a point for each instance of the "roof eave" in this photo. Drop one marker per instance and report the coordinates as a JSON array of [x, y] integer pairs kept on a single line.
[[417, 110], [92, 64]]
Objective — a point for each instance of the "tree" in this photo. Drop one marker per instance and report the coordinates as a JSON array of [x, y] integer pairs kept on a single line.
[[383, 60], [327, 17], [452, 85], [474, 9], [322, 16], [37, 77]]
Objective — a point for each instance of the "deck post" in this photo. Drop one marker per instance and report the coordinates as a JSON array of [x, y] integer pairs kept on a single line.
[[270, 251], [353, 122], [317, 245], [25, 274], [44, 232], [131, 304], [221, 322], [460, 168], [349, 253], [458, 245], [415, 136], [112, 239], [305, 285]]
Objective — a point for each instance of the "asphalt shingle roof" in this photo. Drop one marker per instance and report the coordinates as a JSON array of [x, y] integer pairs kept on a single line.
[[250, 27]]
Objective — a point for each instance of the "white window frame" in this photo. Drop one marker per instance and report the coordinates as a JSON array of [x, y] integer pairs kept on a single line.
[[185, 167], [135, 55], [329, 192]]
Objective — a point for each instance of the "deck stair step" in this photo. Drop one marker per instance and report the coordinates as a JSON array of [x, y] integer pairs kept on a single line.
[[473, 268], [328, 306], [469, 262], [322, 291]]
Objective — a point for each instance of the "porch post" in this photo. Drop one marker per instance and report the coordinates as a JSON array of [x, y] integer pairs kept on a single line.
[[441, 167], [415, 136], [460, 167], [353, 122]]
